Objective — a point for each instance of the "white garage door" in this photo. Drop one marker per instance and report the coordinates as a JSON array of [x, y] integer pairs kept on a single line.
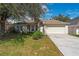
[[56, 30]]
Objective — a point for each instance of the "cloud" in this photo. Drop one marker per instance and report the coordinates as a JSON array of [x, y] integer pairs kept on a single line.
[[72, 13], [47, 15], [45, 8]]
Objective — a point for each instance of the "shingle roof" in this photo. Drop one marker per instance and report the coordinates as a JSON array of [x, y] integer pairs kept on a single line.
[[54, 22]]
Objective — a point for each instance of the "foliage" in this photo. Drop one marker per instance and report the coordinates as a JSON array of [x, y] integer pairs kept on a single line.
[[19, 10], [19, 39], [62, 18], [37, 35]]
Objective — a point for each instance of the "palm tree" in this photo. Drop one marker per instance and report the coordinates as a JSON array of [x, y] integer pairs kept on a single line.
[[18, 10]]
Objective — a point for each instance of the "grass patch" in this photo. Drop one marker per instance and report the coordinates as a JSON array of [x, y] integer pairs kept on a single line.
[[74, 35], [77, 35], [30, 47]]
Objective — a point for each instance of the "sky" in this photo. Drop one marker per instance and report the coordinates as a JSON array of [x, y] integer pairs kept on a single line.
[[68, 9]]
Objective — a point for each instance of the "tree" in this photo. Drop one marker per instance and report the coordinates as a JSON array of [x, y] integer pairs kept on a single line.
[[18, 10], [35, 10], [62, 18]]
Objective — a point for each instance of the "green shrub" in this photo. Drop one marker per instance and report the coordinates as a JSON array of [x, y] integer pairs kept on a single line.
[[37, 35], [19, 39]]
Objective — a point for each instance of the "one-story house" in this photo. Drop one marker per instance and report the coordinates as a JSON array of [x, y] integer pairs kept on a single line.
[[74, 27], [49, 26], [55, 27]]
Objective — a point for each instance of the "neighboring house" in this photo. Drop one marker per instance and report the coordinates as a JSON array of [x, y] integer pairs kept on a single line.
[[55, 27], [74, 27]]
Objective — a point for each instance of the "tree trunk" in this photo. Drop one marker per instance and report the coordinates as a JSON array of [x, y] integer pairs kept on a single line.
[[2, 23], [36, 20]]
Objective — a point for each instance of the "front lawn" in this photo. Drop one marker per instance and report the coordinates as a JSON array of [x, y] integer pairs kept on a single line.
[[28, 47]]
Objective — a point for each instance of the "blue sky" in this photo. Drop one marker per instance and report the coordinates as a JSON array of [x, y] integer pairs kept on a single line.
[[67, 9]]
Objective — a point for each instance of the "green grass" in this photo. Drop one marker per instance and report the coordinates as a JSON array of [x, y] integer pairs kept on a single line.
[[77, 35], [29, 47], [74, 35]]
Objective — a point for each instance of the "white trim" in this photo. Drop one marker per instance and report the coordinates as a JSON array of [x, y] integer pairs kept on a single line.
[[41, 28], [66, 29], [77, 31]]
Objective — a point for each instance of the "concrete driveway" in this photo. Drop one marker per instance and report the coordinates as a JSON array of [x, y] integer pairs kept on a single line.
[[68, 45]]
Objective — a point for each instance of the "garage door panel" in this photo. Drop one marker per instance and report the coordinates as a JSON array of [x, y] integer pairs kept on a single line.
[[55, 30]]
